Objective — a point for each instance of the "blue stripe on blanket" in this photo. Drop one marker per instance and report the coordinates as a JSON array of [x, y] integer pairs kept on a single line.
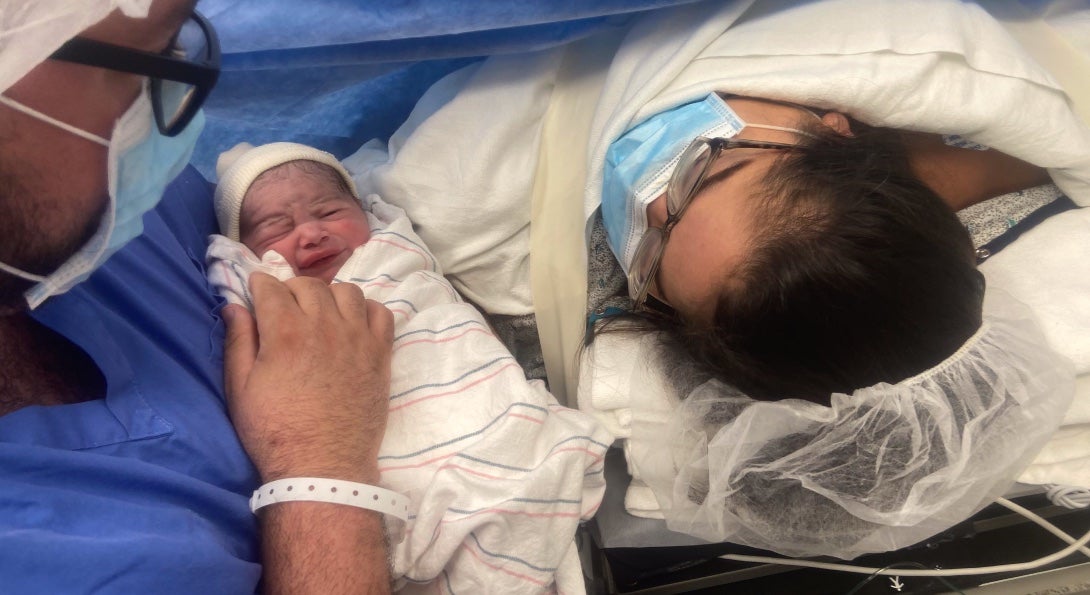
[[406, 302], [509, 557], [454, 381], [529, 469], [440, 331], [464, 436], [372, 279]]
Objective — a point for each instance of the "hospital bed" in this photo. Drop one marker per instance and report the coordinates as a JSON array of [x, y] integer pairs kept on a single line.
[[335, 76]]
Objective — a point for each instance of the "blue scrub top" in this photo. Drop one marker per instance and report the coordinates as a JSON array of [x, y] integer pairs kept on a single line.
[[144, 491]]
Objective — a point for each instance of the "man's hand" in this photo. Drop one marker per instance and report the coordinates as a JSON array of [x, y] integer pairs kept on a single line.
[[307, 381]]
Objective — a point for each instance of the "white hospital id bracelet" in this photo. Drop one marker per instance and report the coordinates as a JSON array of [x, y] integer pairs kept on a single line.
[[318, 489]]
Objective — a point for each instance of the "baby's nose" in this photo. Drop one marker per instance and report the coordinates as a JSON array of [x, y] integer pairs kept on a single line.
[[311, 233]]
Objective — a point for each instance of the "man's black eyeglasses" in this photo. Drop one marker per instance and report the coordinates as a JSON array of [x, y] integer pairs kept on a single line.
[[181, 76]]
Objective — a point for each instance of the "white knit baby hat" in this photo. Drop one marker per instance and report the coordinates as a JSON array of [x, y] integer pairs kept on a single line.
[[240, 165]]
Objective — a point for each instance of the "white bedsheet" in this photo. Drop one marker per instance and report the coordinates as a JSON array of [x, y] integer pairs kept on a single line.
[[498, 473]]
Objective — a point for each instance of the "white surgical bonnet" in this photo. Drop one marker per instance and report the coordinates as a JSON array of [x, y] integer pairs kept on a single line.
[[883, 468], [31, 30]]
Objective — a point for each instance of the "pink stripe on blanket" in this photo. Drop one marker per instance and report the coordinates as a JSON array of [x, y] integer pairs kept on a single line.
[[422, 256], [454, 392], [518, 575], [445, 340]]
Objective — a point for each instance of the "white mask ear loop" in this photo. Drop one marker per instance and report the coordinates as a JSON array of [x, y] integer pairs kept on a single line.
[[15, 105], [21, 273], [782, 129]]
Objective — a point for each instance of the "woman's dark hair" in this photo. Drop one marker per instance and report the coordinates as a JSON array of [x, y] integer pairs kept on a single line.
[[857, 274]]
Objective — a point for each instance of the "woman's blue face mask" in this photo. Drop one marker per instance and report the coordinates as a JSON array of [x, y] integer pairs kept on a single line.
[[638, 165]]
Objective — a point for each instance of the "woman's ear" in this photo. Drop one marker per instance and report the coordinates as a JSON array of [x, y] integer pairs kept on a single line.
[[838, 122]]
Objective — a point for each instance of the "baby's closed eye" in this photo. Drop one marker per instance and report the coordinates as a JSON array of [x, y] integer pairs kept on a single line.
[[270, 230]]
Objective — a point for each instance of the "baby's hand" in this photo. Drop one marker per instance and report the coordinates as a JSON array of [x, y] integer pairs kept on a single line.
[[308, 377]]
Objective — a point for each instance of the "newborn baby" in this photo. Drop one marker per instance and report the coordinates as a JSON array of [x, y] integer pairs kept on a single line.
[[498, 473]]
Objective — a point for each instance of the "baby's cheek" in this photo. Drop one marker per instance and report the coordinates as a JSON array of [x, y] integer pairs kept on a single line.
[[361, 235]]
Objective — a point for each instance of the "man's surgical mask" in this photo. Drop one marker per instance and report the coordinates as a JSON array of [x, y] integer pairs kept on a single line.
[[141, 163], [638, 165]]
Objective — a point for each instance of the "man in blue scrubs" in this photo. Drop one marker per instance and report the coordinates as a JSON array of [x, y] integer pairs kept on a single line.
[[120, 469]]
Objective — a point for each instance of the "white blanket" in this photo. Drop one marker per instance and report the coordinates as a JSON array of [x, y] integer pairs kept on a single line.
[[499, 474], [931, 65]]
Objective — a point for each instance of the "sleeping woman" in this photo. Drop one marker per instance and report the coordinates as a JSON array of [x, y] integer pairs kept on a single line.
[[797, 257], [833, 378]]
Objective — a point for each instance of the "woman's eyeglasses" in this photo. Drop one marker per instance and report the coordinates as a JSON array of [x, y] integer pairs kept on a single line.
[[181, 76], [683, 186]]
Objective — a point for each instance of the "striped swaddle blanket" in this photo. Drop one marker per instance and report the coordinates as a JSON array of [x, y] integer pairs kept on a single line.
[[499, 474]]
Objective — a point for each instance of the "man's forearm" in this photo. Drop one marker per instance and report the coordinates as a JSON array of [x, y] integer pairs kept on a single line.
[[319, 547]]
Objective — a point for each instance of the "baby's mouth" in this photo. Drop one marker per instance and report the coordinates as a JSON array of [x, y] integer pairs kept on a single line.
[[320, 262]]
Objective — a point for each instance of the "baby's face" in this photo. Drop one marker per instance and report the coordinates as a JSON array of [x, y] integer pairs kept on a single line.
[[306, 217]]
